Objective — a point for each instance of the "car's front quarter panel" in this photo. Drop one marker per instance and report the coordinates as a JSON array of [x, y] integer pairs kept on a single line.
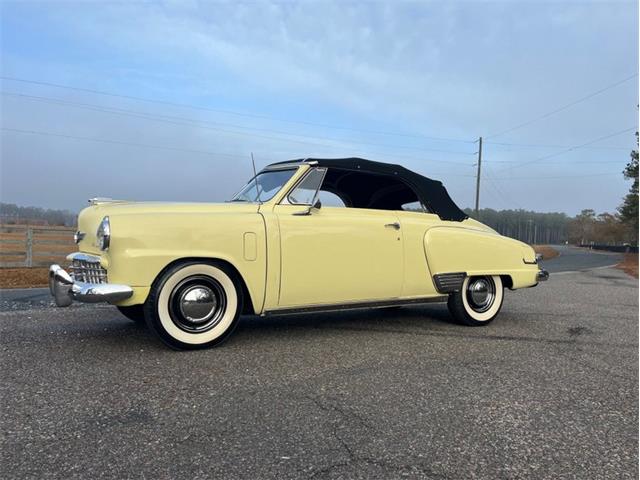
[[144, 242], [475, 251]]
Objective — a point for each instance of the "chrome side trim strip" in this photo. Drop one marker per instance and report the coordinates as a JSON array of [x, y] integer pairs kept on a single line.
[[355, 306]]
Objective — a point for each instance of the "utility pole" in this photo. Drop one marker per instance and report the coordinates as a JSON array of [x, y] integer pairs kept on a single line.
[[478, 178]]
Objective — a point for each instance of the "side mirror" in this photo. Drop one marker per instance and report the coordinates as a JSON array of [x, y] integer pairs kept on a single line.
[[308, 210]]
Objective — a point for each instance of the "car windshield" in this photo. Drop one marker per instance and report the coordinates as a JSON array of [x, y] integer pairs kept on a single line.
[[268, 183]]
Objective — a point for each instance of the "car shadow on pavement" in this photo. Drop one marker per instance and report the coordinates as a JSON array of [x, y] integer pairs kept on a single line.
[[253, 328], [433, 317]]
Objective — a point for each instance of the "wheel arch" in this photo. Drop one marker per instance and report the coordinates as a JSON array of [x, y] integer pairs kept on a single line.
[[247, 304], [507, 281]]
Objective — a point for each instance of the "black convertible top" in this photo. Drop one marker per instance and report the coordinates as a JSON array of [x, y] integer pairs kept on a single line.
[[430, 192]]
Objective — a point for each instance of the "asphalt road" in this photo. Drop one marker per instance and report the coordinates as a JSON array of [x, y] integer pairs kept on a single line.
[[548, 390], [577, 259]]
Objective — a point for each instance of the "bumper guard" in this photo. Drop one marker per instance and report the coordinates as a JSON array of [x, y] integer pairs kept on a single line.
[[542, 275], [65, 289]]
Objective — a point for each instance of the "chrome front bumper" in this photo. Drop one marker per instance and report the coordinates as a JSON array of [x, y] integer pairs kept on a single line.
[[65, 289]]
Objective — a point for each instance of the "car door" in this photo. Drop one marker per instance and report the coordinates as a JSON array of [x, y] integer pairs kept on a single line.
[[333, 255], [338, 255], [417, 275]]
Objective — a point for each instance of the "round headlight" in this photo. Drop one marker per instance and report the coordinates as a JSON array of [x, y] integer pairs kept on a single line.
[[104, 234]]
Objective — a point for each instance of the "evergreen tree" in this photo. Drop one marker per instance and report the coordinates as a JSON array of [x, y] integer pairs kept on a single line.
[[629, 208]]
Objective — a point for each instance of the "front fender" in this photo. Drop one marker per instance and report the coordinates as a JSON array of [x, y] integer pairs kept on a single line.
[[143, 245]]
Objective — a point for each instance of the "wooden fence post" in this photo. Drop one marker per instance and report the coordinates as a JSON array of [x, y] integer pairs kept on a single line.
[[29, 259]]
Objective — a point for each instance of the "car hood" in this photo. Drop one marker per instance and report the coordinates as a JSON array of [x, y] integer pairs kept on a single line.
[[89, 219], [137, 208]]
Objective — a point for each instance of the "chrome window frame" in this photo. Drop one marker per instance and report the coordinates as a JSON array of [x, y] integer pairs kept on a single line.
[[287, 201], [289, 166]]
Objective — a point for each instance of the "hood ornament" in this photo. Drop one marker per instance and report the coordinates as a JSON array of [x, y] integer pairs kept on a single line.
[[100, 200]]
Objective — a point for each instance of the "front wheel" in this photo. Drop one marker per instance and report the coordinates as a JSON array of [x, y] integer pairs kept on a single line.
[[194, 305], [478, 302]]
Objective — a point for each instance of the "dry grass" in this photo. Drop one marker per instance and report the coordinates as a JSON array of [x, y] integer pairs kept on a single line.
[[629, 264], [23, 277], [546, 251]]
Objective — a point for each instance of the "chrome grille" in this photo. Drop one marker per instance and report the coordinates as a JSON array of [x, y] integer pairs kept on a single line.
[[88, 272]]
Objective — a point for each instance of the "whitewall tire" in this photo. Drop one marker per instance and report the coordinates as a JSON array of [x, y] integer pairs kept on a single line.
[[479, 300], [194, 305]]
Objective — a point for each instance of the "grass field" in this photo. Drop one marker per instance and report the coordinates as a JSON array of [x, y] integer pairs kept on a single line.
[[23, 277], [546, 251], [630, 264]]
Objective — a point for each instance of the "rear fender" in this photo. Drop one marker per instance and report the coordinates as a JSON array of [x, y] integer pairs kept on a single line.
[[476, 252]]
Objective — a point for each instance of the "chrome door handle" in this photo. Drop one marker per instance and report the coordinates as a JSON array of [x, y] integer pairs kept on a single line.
[[395, 225]]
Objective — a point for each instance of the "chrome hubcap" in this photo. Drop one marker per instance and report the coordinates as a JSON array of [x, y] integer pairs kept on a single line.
[[480, 293], [197, 304]]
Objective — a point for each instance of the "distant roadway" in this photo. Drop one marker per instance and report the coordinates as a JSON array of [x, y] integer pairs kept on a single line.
[[574, 259]]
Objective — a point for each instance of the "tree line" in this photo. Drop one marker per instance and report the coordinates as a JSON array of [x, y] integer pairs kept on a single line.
[[13, 214], [588, 227], [527, 226]]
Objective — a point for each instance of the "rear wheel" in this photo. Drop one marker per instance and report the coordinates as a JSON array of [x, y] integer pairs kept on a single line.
[[478, 302], [194, 305], [135, 313]]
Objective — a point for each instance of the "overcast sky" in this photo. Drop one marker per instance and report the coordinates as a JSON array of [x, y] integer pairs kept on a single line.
[[414, 83]]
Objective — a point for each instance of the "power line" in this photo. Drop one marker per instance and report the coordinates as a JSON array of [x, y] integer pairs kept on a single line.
[[178, 149], [185, 121], [534, 145], [579, 162], [117, 142], [494, 183], [564, 107], [562, 152], [231, 112], [558, 176]]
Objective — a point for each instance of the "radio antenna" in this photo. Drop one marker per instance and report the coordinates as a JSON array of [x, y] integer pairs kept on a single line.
[[255, 178]]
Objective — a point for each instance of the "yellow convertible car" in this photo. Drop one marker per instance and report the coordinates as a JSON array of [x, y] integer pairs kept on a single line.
[[302, 235]]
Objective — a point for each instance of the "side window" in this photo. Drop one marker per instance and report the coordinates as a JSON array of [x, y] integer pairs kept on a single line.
[[329, 199], [305, 192], [413, 207]]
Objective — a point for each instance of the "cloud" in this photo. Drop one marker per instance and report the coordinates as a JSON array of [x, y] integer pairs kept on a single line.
[[442, 69]]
